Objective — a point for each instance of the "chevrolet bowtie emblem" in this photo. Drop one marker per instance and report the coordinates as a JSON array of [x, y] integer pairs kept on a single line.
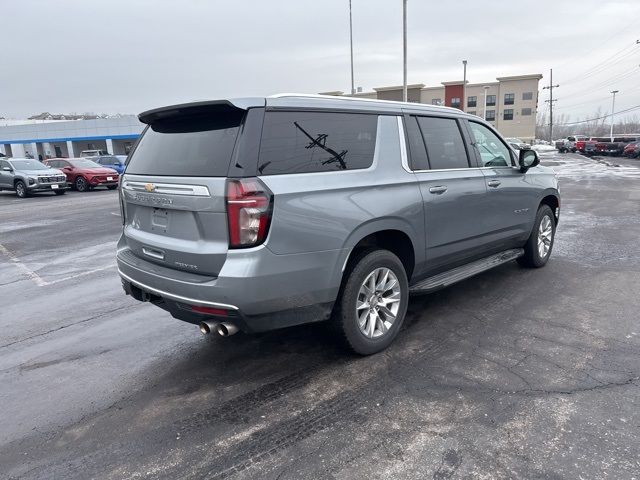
[[149, 187]]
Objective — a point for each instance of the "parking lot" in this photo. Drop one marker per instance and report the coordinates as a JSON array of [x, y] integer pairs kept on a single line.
[[514, 373]]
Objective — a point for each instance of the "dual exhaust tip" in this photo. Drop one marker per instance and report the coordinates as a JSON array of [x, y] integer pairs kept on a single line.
[[223, 329]]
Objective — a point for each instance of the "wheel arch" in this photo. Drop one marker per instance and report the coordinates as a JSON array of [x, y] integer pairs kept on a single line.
[[552, 199]]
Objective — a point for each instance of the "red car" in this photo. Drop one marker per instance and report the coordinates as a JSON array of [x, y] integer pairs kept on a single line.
[[84, 174]]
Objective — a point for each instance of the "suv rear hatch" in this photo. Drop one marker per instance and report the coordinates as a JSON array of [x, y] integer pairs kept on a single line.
[[173, 189]]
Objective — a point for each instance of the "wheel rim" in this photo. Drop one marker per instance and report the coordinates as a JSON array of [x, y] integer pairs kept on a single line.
[[545, 236], [20, 190], [80, 184], [378, 302]]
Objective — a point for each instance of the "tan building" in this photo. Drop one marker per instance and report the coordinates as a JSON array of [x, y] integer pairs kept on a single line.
[[512, 102]]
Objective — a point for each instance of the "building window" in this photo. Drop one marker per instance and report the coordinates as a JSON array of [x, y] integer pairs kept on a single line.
[[471, 112], [526, 112], [490, 115], [436, 101], [509, 98], [472, 101], [455, 102], [527, 95], [507, 114], [491, 100]]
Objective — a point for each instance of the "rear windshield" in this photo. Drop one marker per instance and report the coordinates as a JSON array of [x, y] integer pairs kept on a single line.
[[187, 146]]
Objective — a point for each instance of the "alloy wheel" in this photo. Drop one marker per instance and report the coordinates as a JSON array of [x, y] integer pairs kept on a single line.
[[378, 302], [545, 236]]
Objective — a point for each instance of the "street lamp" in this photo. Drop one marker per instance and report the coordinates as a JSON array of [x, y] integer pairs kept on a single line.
[[353, 89], [486, 87], [613, 107], [464, 84], [404, 50]]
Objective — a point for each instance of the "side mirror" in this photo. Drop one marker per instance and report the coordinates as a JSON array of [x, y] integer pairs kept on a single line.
[[527, 159], [6, 169]]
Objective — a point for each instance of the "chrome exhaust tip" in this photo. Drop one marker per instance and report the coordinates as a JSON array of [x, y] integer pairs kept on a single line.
[[225, 329], [207, 327]]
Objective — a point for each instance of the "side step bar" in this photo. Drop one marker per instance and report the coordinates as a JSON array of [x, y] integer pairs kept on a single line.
[[455, 275]]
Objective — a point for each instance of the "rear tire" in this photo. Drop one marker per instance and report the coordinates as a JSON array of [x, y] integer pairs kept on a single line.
[[21, 189], [538, 248], [372, 302], [81, 184]]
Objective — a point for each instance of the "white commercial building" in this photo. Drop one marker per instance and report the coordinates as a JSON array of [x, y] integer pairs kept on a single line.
[[69, 138]]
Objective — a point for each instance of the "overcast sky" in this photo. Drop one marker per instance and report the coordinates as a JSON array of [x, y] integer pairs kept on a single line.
[[114, 56]]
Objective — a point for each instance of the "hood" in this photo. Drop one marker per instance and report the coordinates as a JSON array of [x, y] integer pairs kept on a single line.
[[99, 171], [42, 173]]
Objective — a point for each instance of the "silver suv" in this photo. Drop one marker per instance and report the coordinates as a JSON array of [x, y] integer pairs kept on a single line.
[[260, 213], [26, 176]]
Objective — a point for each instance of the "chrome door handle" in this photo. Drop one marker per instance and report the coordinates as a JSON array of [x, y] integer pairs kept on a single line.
[[438, 189], [494, 183]]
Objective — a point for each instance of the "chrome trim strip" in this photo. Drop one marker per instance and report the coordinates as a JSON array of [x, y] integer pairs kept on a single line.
[[403, 145], [168, 188], [178, 298]]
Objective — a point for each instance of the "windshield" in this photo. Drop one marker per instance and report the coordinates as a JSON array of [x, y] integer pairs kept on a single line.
[[84, 163], [28, 164]]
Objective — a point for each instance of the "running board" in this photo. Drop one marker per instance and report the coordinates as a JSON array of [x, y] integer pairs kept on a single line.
[[465, 271]]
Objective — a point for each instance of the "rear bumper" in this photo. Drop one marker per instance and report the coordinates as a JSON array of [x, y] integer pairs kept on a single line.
[[258, 289]]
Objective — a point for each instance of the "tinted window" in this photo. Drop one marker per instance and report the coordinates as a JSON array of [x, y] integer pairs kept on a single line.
[[188, 146], [490, 116], [508, 114], [299, 142], [471, 101], [509, 98], [4, 164], [491, 100], [492, 151], [416, 146], [445, 147]]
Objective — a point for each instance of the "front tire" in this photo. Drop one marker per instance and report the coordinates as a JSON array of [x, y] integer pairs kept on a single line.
[[21, 189], [538, 248], [373, 302], [81, 184]]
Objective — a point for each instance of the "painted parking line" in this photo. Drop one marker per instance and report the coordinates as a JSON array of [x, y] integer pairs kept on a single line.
[[26, 271]]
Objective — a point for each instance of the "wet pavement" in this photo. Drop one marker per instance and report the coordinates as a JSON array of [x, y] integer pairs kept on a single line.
[[515, 373]]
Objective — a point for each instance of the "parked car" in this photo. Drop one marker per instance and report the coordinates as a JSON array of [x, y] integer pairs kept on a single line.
[[569, 144], [309, 208], [85, 174], [27, 175], [93, 153], [632, 150], [517, 143], [115, 162], [615, 147]]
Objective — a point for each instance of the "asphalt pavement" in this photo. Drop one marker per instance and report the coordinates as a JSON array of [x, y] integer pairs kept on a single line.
[[515, 373]]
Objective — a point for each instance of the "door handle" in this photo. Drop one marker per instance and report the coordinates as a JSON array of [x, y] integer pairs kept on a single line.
[[493, 183], [438, 189]]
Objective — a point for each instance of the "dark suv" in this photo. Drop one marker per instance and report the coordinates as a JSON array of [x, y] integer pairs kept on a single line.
[[259, 213]]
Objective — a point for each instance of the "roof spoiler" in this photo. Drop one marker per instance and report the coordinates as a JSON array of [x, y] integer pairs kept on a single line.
[[194, 108]]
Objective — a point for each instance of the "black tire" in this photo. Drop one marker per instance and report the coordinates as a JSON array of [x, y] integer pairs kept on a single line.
[[532, 257], [21, 189], [112, 187], [345, 319], [81, 184], [60, 192]]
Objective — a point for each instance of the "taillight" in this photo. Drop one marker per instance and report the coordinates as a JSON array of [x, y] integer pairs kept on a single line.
[[249, 205], [121, 201]]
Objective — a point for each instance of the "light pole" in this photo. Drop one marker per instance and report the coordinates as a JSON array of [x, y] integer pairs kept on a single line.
[[484, 116], [613, 107], [464, 84], [353, 88], [404, 50]]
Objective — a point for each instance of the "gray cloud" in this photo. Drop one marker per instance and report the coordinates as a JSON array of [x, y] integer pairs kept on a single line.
[[126, 56]]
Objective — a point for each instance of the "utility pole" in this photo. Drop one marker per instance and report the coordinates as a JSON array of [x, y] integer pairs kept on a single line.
[[551, 100], [404, 50], [613, 109], [353, 88], [464, 84]]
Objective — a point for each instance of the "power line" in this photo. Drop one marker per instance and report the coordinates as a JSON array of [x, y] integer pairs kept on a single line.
[[603, 116], [604, 64]]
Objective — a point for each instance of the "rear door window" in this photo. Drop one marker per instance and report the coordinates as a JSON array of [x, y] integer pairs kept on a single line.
[[187, 146], [443, 139], [417, 150], [302, 142]]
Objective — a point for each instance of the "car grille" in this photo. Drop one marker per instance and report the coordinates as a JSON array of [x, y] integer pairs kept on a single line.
[[52, 179]]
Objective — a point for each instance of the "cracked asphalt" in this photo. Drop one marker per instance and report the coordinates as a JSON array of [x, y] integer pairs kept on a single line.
[[512, 374]]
